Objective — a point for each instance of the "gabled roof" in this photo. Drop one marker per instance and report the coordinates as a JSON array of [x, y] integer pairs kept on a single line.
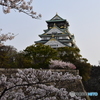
[[65, 41], [56, 18], [55, 43], [55, 29], [49, 35]]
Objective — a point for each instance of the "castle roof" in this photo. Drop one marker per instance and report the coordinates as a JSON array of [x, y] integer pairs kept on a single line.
[[55, 30], [56, 18]]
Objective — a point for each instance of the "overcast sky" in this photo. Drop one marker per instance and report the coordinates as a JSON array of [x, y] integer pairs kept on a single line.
[[82, 15]]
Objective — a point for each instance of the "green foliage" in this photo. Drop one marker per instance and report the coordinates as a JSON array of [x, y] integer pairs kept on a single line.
[[69, 54], [3, 58], [40, 55], [84, 69], [6, 56], [21, 61]]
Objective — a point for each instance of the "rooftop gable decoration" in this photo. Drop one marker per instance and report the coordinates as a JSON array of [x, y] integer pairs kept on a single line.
[[55, 29], [54, 43], [57, 17]]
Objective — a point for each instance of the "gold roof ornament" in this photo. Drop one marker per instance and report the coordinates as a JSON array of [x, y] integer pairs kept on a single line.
[[62, 27], [52, 39], [52, 35]]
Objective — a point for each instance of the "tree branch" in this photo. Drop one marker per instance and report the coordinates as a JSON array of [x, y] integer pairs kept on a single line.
[[19, 5]]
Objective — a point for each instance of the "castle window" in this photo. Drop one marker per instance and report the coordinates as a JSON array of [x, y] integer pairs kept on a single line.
[[54, 32], [44, 38], [63, 37], [54, 45], [48, 38], [66, 37], [60, 37]]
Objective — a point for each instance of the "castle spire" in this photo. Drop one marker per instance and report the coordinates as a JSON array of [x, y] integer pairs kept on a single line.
[[56, 13]]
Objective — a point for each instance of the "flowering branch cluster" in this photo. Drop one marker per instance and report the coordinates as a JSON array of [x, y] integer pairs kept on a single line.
[[4, 37], [30, 84], [20, 5], [61, 64]]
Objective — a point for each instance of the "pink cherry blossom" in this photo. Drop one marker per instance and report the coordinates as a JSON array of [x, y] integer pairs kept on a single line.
[[61, 64], [20, 5], [32, 84]]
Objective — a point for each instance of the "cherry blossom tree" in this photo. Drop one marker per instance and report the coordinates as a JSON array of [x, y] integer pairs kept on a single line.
[[32, 84], [20, 5], [61, 64], [5, 37]]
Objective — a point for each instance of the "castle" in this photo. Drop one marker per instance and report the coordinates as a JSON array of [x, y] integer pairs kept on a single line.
[[57, 34]]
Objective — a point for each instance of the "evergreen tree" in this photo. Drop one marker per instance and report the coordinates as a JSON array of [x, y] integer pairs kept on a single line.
[[40, 55], [69, 54]]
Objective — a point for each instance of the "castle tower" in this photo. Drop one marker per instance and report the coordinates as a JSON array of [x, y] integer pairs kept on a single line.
[[57, 34]]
